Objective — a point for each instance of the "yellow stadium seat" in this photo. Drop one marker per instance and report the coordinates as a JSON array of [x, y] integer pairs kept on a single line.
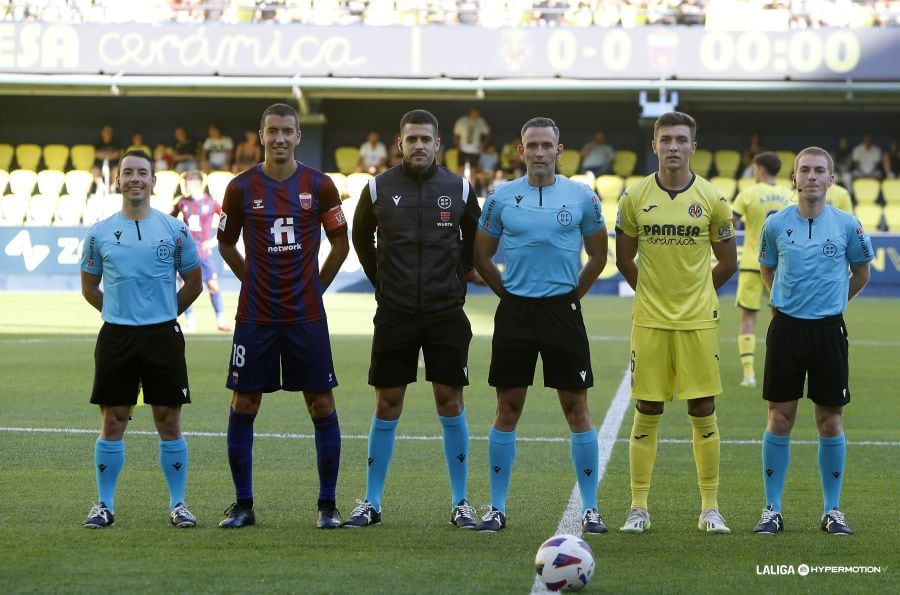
[[356, 182], [632, 180], [727, 162], [609, 188], [28, 156], [869, 216], [568, 161], [451, 159], [56, 157], [82, 157], [4, 180], [78, 182], [340, 182], [345, 159], [624, 163], [217, 182], [727, 186], [6, 156], [609, 211], [892, 217], [167, 182], [787, 162], [50, 182], [744, 183], [890, 191], [866, 190], [40, 210], [12, 210], [586, 179], [68, 210], [101, 206], [22, 182], [701, 162]]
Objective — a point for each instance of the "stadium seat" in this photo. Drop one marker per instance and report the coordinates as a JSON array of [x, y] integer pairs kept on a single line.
[[609, 210], [50, 182], [568, 162], [345, 159], [82, 157], [869, 216], [12, 210], [28, 156], [451, 159], [340, 182], [167, 182], [6, 156], [624, 163], [4, 180], [162, 203], [744, 183], [40, 210], [701, 162], [890, 191], [892, 217], [727, 186], [216, 182], [632, 180], [78, 182], [68, 210], [727, 162], [586, 179], [866, 190], [22, 182], [56, 157], [101, 206], [609, 188], [787, 162], [356, 182]]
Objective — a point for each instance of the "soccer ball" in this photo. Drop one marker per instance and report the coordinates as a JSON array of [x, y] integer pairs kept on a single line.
[[564, 562]]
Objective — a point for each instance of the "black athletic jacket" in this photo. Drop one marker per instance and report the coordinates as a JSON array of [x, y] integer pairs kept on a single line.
[[425, 235]]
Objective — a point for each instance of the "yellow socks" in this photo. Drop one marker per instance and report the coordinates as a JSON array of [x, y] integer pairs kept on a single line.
[[747, 347], [641, 455], [706, 456]]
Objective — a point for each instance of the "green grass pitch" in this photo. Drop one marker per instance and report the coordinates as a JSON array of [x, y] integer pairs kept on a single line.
[[48, 431]]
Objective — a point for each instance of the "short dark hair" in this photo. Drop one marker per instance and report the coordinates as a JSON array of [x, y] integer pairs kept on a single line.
[[279, 109], [540, 122], [419, 116], [193, 174], [142, 155], [815, 151], [769, 161], [676, 119]]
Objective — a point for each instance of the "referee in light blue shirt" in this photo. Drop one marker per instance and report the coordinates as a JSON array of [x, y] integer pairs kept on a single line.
[[136, 253], [814, 258], [542, 220]]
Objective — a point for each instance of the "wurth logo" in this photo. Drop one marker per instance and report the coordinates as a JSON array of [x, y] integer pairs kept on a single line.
[[33, 255], [282, 231]]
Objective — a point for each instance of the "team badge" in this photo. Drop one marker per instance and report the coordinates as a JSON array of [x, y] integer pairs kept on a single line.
[[444, 203], [305, 200], [695, 211]]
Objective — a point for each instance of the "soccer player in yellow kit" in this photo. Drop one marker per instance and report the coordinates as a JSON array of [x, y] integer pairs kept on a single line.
[[670, 220], [753, 205]]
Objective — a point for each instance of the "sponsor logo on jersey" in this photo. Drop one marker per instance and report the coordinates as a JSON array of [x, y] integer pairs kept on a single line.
[[672, 235], [283, 236], [305, 201], [445, 216], [258, 203]]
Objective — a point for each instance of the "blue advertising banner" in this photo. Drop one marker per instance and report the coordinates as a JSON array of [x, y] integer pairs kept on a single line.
[[35, 258]]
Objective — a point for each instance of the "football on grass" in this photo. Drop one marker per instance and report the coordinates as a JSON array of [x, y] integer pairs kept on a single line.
[[564, 562]]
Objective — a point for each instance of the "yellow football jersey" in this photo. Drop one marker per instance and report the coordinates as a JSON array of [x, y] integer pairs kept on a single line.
[[753, 205], [838, 197], [675, 231]]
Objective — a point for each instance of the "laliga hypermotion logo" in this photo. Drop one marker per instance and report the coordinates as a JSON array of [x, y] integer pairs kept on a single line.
[[33, 255]]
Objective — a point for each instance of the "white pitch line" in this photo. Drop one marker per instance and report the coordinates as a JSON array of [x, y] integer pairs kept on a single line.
[[292, 436]]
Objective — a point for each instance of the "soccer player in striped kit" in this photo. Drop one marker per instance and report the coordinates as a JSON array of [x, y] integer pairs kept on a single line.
[[281, 336]]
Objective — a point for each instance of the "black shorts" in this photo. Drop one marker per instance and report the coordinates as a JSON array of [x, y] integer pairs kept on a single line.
[[553, 327], [129, 357], [471, 158], [443, 337], [797, 349]]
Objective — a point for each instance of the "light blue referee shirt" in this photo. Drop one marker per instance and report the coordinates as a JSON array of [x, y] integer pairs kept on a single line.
[[138, 260], [540, 231], [811, 259]]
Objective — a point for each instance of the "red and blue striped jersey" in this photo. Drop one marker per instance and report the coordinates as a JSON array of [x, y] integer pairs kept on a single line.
[[281, 222], [198, 215]]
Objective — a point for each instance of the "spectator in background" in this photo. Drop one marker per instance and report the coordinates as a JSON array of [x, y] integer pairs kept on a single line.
[[867, 159], [843, 162], [597, 156], [395, 153], [217, 151], [248, 153], [185, 151], [470, 134], [137, 144], [488, 166], [754, 147], [106, 158], [163, 157], [373, 155], [510, 160], [891, 161]]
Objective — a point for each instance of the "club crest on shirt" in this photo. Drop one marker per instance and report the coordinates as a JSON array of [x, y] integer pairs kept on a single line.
[[695, 211], [305, 200]]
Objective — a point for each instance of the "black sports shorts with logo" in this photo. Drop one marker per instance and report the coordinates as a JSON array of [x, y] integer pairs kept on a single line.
[[443, 337], [797, 349], [129, 357], [552, 327]]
